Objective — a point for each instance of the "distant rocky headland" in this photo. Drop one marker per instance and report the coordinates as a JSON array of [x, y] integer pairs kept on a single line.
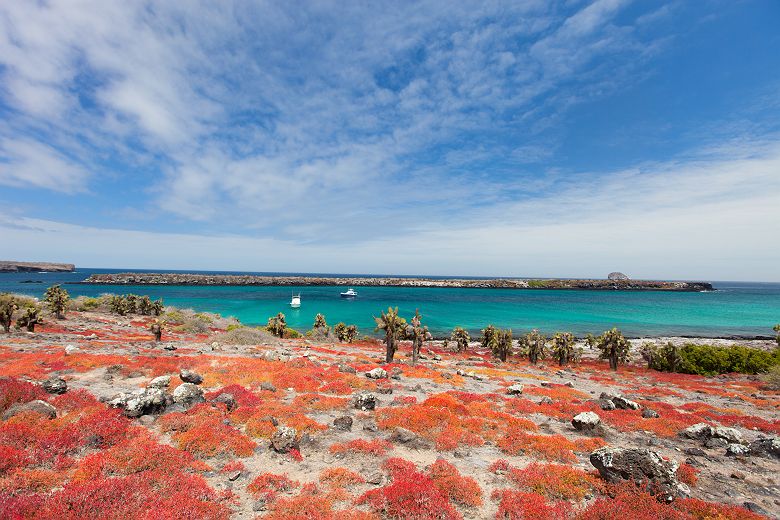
[[7, 266], [497, 283]]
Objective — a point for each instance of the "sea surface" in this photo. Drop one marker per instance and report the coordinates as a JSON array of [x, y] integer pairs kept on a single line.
[[735, 309]]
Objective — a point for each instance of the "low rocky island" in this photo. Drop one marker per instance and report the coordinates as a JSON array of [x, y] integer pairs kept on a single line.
[[7, 266], [497, 283]]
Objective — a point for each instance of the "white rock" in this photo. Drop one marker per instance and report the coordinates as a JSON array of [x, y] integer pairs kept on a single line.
[[515, 389], [586, 421]]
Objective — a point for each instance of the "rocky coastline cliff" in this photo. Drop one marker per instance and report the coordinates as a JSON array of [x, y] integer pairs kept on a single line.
[[7, 266], [497, 283]]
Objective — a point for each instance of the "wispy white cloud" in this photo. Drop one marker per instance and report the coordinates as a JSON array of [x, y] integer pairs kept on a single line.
[[30, 164]]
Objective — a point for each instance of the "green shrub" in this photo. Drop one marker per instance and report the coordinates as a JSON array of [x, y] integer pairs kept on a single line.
[[709, 359], [242, 335], [772, 378], [292, 333]]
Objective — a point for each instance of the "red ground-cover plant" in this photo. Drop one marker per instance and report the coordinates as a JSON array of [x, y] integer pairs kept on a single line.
[[147, 495], [499, 466], [243, 396], [268, 486], [462, 490], [556, 481], [139, 454], [376, 447], [687, 474], [549, 447], [340, 477], [202, 431], [517, 505], [312, 503], [319, 402], [232, 466], [14, 391], [413, 495]]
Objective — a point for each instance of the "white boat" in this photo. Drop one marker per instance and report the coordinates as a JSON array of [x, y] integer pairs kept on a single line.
[[350, 293], [295, 301]]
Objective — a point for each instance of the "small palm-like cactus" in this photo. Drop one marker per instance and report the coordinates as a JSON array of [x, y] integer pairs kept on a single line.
[[277, 325], [30, 318], [503, 344], [563, 348], [8, 306], [614, 347], [489, 338], [534, 345], [320, 324], [57, 299], [418, 333], [157, 307], [394, 327], [776, 328], [461, 338], [144, 306], [345, 333], [118, 305]]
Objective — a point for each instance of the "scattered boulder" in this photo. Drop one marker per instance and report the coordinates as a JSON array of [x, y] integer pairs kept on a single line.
[[606, 404], [284, 439], [515, 389], [729, 434], [700, 431], [639, 464], [267, 386], [402, 436], [37, 406], [695, 452], [190, 376], [377, 373], [546, 400], [147, 420], [227, 399], [755, 508], [647, 413], [370, 426], [188, 394], [375, 479], [766, 447], [55, 385], [343, 423], [70, 349], [234, 476], [396, 373], [169, 347], [160, 382], [145, 401], [586, 421], [737, 450], [346, 369], [620, 402], [365, 401], [715, 442]]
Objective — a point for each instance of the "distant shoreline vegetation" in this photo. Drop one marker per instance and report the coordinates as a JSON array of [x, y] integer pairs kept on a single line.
[[460, 283]]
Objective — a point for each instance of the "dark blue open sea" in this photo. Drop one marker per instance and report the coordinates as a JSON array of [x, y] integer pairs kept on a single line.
[[734, 309]]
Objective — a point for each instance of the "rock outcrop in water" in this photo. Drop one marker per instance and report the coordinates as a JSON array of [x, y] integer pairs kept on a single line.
[[7, 266], [497, 283]]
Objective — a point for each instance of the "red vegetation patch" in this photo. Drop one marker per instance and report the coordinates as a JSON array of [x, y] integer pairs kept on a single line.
[[516, 505], [462, 490], [414, 495], [556, 481], [202, 431], [452, 419], [687, 474], [268, 486], [548, 447], [13, 391], [376, 447]]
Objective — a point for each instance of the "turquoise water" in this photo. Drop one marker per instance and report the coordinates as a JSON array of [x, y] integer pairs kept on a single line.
[[735, 309]]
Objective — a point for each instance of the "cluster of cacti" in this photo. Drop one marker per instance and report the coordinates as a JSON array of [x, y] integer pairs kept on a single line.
[[665, 358], [395, 329], [133, 304], [57, 299], [277, 325], [418, 333], [8, 306], [614, 347], [534, 345], [563, 348], [30, 318], [776, 328], [461, 338], [345, 333]]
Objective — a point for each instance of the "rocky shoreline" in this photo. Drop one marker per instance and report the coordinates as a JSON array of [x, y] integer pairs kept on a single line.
[[35, 267], [461, 283]]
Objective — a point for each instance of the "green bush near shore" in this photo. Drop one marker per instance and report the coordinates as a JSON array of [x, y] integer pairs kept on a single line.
[[707, 360]]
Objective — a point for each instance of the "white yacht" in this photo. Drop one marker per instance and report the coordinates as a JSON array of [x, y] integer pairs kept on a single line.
[[350, 293], [295, 301]]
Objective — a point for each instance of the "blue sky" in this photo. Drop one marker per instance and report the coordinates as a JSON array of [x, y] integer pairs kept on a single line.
[[534, 138]]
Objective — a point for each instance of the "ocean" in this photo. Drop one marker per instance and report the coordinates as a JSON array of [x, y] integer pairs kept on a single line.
[[745, 309]]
